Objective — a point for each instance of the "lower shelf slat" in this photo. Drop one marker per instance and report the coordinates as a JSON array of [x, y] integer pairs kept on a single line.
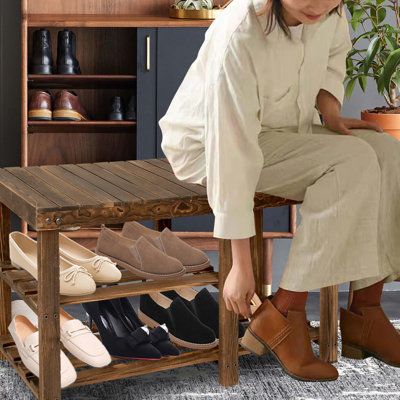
[[138, 367], [117, 370]]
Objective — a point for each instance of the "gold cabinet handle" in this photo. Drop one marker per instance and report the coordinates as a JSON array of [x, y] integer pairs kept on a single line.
[[148, 53]]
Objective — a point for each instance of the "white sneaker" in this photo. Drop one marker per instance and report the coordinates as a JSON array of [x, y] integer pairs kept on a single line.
[[26, 338], [102, 269], [76, 337], [75, 280]]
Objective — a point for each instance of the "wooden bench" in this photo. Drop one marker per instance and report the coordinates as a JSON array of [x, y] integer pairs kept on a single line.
[[51, 198]]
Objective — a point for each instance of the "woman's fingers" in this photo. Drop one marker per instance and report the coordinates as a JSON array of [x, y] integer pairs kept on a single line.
[[362, 124], [244, 309], [228, 304]]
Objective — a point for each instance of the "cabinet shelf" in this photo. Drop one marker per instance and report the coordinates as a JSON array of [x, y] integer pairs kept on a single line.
[[113, 21], [80, 126], [58, 81]]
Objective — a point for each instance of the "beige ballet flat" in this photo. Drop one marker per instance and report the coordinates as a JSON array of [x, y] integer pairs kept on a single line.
[[75, 280], [102, 269]]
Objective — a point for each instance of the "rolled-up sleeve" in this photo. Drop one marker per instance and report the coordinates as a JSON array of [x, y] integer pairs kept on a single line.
[[233, 157], [333, 80]]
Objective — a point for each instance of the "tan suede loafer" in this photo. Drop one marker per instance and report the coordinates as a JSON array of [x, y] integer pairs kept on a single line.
[[192, 259], [138, 256], [287, 338], [369, 335]]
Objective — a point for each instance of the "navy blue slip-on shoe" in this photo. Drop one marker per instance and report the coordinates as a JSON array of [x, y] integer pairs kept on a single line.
[[119, 339], [203, 304], [185, 329], [159, 335]]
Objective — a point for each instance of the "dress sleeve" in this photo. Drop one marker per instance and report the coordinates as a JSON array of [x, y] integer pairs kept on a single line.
[[233, 157], [333, 80]]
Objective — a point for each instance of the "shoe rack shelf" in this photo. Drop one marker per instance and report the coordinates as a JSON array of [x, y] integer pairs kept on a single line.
[[116, 370], [80, 81], [130, 285], [79, 126]]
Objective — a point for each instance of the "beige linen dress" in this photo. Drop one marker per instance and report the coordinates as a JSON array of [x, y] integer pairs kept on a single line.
[[244, 119]]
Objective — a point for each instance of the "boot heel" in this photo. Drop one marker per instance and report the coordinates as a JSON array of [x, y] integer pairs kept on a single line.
[[251, 343], [353, 352]]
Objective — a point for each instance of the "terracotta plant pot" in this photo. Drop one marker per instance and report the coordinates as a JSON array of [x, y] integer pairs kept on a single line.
[[389, 120]]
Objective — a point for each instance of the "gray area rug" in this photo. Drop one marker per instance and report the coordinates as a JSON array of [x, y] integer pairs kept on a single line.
[[260, 378]]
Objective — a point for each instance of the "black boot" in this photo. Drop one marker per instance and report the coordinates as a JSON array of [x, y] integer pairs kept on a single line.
[[42, 59], [131, 111], [66, 53], [117, 109]]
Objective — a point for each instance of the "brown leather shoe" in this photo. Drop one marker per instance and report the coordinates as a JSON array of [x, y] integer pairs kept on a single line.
[[192, 259], [138, 256], [39, 106], [369, 334], [289, 341], [68, 108]]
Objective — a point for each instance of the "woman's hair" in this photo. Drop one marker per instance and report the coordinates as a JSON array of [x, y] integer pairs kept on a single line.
[[275, 15]]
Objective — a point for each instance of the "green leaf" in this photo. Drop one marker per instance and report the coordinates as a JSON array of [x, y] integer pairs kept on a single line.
[[371, 53], [391, 42], [389, 70], [350, 87], [362, 80], [381, 15], [356, 18]]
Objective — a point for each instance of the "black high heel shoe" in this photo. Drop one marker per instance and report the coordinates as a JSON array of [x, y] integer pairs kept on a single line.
[[159, 335], [120, 340]]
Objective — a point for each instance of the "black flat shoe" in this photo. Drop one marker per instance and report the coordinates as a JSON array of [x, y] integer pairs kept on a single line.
[[159, 336], [203, 304], [116, 336], [185, 329]]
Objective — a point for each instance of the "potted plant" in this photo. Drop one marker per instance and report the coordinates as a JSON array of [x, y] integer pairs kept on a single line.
[[379, 59], [195, 9]]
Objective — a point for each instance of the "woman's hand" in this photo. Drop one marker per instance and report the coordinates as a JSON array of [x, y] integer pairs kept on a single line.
[[343, 125], [239, 288]]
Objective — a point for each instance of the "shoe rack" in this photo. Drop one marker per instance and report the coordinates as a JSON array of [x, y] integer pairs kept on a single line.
[[106, 48]]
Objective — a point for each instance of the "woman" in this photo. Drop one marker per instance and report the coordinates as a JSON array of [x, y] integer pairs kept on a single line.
[[245, 119]]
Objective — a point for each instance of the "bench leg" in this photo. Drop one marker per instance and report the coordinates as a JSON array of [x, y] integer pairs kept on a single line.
[[257, 252], [49, 314], [228, 323], [5, 290], [328, 330], [160, 224]]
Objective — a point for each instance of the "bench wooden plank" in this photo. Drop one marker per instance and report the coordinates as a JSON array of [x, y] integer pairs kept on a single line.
[[119, 168], [137, 194], [104, 198], [199, 189], [158, 180], [22, 199], [76, 169], [78, 196], [163, 177], [41, 186]]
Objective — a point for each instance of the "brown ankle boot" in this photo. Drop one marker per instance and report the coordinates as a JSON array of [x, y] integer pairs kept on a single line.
[[288, 339], [369, 334]]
